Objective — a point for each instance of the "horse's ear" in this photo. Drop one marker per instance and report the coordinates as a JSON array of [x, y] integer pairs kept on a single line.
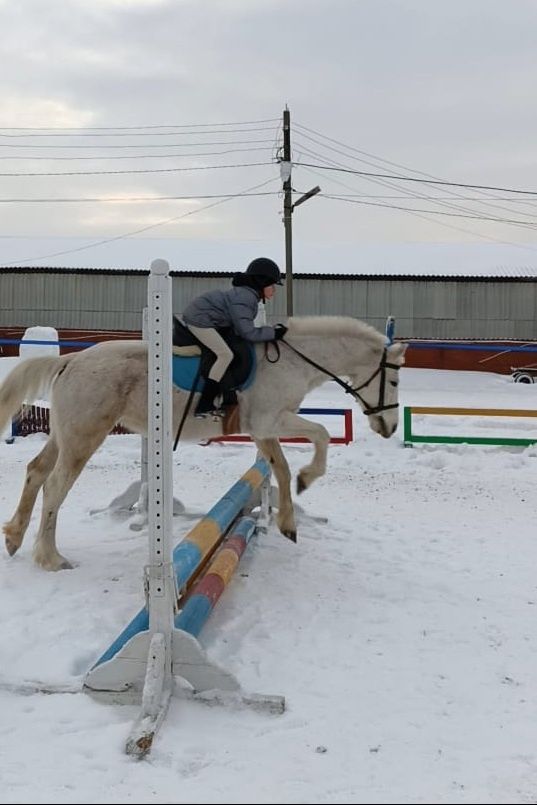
[[398, 349]]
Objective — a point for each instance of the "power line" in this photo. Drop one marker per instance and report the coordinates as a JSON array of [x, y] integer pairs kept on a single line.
[[527, 224], [138, 170], [145, 145], [421, 198], [125, 235], [385, 161], [433, 179], [140, 133], [356, 150], [133, 128], [447, 225], [419, 181], [434, 199], [129, 199], [459, 209], [139, 156]]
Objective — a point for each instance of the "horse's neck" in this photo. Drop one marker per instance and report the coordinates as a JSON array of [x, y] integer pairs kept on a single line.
[[339, 355]]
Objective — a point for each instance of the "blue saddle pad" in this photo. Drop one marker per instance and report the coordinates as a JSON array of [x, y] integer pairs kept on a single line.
[[185, 369]]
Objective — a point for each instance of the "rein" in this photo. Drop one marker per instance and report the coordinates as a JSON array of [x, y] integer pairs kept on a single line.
[[355, 392]]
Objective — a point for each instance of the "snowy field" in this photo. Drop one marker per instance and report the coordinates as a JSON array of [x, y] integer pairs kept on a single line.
[[403, 633]]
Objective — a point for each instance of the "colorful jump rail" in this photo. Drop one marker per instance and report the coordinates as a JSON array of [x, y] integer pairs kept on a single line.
[[347, 438], [410, 438], [35, 419], [190, 556]]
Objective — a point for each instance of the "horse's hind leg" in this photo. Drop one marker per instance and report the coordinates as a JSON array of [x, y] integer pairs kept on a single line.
[[273, 452], [36, 473], [71, 461]]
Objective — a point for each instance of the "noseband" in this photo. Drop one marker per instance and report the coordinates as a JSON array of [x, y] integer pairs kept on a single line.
[[382, 387], [355, 392]]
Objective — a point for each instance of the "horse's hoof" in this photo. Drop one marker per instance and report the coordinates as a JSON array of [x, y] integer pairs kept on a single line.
[[53, 565], [11, 547], [300, 485], [290, 535]]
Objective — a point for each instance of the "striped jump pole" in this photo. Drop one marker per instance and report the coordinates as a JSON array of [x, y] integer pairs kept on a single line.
[[123, 672], [188, 556], [205, 593]]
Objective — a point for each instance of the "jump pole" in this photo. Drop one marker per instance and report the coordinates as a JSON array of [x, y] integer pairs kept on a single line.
[[205, 593], [146, 662], [188, 557]]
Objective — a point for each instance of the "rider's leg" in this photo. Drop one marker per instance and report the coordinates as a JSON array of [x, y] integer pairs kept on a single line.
[[223, 354]]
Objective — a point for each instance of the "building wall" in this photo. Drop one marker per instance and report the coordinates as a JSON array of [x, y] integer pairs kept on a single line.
[[423, 307]]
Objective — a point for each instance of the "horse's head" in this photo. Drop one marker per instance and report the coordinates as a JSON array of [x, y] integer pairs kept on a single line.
[[378, 394]]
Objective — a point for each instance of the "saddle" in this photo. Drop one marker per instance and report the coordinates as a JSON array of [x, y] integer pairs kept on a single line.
[[192, 360]]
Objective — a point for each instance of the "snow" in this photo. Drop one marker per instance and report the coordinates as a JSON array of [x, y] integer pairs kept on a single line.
[[402, 633]]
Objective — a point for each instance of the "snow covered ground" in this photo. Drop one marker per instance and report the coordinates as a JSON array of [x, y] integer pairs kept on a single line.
[[403, 633]]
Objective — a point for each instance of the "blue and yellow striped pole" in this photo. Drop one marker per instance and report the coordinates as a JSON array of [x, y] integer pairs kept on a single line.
[[190, 553], [206, 592]]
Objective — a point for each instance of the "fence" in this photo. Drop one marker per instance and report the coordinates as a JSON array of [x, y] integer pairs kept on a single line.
[[411, 438]]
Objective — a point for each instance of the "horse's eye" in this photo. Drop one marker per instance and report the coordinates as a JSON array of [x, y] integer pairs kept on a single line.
[[394, 383]]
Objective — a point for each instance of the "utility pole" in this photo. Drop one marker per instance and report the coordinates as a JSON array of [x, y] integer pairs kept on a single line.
[[288, 209], [288, 206]]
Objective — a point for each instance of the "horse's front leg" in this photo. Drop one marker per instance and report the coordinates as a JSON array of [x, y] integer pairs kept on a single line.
[[290, 424], [286, 516]]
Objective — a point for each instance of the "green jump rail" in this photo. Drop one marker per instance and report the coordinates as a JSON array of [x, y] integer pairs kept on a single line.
[[410, 438]]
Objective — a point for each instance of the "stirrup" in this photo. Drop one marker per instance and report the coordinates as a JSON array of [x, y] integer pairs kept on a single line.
[[215, 413]]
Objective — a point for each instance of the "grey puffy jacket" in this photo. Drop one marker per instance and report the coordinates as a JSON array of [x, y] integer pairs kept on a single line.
[[235, 308]]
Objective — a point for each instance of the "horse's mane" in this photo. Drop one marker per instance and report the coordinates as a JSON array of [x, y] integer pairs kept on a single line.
[[333, 325]]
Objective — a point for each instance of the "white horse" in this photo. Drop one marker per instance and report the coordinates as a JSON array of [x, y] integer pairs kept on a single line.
[[106, 384]]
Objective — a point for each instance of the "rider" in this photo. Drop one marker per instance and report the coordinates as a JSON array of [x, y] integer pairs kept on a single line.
[[235, 308]]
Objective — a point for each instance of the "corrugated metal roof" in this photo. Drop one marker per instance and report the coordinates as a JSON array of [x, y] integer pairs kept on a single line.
[[513, 275]]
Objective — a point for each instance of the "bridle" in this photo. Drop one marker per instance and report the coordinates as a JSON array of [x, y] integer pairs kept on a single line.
[[382, 386], [355, 392]]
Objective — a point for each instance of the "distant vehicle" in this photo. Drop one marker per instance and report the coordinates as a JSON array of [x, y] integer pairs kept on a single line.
[[524, 374]]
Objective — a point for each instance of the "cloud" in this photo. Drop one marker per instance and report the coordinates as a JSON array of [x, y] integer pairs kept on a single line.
[[39, 111], [443, 89]]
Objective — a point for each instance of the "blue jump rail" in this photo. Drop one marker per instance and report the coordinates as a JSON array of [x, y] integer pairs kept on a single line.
[[413, 344], [33, 342], [475, 347]]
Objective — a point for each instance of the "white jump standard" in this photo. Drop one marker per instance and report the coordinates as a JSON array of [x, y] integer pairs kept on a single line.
[[151, 651]]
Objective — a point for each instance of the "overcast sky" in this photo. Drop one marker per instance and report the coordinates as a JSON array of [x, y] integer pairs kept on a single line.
[[436, 88]]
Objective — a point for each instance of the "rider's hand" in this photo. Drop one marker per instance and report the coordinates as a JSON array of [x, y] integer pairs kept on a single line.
[[279, 331]]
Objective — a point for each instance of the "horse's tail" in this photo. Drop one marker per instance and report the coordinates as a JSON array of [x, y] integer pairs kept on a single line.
[[26, 381]]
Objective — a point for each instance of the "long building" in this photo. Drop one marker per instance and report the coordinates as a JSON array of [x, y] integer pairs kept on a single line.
[[103, 303]]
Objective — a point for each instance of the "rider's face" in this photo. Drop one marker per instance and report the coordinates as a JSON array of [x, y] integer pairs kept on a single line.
[[269, 291]]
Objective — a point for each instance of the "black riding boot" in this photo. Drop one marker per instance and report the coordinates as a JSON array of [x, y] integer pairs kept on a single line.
[[206, 404]]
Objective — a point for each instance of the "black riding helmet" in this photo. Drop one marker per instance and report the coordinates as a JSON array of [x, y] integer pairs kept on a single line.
[[267, 271]]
